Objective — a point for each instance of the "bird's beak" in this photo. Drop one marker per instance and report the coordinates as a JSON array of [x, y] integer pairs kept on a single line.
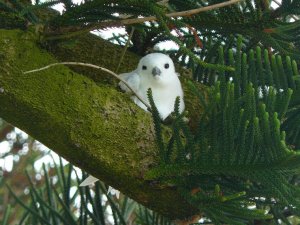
[[156, 71]]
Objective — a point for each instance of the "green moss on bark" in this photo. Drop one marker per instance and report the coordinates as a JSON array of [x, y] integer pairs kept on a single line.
[[93, 126], [92, 49]]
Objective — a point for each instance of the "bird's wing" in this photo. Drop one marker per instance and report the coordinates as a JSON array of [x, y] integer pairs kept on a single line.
[[88, 181], [132, 78]]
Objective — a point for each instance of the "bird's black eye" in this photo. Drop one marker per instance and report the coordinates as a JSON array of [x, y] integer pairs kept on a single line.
[[144, 67], [167, 65]]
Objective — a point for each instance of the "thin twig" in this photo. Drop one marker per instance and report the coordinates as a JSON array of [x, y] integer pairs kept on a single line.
[[95, 67], [124, 22], [125, 49], [170, 15]]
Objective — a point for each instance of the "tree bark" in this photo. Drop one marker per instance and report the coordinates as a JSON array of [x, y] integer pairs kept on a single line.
[[87, 121]]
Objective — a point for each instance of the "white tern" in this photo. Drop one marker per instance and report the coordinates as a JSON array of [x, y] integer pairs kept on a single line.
[[155, 71]]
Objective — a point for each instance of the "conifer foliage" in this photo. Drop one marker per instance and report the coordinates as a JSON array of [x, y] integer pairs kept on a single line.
[[238, 157], [241, 163]]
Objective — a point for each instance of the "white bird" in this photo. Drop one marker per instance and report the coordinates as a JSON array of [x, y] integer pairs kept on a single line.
[[155, 71]]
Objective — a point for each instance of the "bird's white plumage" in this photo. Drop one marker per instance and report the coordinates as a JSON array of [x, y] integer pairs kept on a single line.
[[132, 78], [155, 71]]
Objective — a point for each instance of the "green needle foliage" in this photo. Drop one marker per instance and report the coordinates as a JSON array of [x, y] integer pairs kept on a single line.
[[241, 164], [60, 200], [255, 20], [147, 217], [238, 162]]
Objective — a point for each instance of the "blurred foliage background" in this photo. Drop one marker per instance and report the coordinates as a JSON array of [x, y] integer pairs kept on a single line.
[[39, 187]]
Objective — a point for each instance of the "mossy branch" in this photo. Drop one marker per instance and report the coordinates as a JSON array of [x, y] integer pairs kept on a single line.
[[95, 67], [95, 127]]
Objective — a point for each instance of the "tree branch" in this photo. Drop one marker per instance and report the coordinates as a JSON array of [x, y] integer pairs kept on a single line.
[[95, 127], [125, 22], [170, 15], [95, 67]]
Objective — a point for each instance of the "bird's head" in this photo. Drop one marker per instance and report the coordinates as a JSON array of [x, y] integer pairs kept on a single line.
[[157, 67]]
